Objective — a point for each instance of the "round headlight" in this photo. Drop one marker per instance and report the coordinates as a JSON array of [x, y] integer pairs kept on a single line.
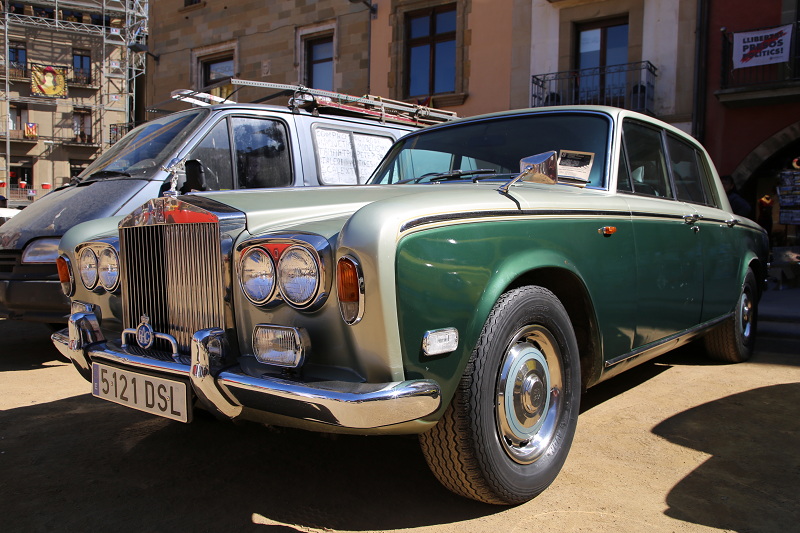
[[257, 275], [298, 275], [88, 268], [108, 268]]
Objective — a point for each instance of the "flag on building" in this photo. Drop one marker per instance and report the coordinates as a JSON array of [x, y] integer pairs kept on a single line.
[[48, 81], [754, 48]]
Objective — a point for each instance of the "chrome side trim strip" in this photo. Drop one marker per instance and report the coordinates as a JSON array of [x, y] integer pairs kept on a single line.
[[338, 403], [691, 332], [449, 217]]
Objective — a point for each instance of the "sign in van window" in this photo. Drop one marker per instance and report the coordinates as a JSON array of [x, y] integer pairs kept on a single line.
[[370, 150], [348, 158]]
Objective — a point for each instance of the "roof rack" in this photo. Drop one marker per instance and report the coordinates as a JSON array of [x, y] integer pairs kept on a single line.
[[318, 101]]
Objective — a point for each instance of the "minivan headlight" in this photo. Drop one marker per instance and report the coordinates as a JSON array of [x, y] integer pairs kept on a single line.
[[41, 251]]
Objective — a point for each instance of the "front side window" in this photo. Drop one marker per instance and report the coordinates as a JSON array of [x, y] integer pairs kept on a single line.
[[685, 172], [214, 152], [496, 144], [319, 54], [646, 159], [144, 149], [216, 71], [431, 51], [262, 153]]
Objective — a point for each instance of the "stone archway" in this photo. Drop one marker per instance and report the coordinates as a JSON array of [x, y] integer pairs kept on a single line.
[[763, 152]]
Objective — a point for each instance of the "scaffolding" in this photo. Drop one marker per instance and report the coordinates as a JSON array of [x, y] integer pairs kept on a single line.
[[116, 24]]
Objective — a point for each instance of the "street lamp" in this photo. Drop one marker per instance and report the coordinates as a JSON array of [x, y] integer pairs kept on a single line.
[[139, 47]]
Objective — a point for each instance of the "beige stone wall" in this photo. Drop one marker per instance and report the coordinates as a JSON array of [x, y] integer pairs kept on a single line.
[[265, 39], [49, 156]]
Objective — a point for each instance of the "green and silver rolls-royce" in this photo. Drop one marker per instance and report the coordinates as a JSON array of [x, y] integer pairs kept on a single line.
[[493, 269]]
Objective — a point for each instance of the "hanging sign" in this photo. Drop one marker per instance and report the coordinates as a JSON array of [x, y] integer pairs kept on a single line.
[[48, 81], [765, 47]]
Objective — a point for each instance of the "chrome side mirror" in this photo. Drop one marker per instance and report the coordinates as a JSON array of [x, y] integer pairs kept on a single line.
[[539, 168]]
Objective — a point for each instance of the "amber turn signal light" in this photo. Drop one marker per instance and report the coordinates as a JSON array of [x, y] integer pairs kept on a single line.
[[350, 289], [65, 275], [607, 230]]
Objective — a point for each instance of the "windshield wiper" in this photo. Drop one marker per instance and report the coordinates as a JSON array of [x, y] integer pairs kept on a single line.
[[445, 176], [100, 174]]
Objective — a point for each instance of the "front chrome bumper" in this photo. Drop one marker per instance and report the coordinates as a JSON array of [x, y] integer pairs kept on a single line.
[[231, 393]]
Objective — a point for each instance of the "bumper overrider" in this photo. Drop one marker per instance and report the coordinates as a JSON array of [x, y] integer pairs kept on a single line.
[[231, 393]]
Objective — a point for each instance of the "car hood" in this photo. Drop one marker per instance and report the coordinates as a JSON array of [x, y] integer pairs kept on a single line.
[[62, 209]]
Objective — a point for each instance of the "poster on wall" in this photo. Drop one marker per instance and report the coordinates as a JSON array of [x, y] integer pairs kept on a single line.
[[49, 81], [765, 47]]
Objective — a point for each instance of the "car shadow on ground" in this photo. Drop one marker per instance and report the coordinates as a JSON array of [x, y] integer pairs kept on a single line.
[[85, 464], [26, 345], [750, 482]]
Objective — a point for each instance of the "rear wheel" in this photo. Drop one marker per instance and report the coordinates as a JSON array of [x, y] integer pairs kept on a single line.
[[733, 341], [507, 432]]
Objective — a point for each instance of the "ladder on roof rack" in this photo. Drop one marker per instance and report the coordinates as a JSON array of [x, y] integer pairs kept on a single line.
[[317, 100]]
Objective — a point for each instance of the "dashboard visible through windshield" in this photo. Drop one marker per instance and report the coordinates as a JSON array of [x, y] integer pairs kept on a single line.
[[473, 149]]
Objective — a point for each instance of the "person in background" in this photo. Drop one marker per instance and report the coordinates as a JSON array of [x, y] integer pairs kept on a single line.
[[3, 201], [738, 204]]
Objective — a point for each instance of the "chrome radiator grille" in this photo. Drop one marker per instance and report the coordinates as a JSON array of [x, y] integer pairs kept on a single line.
[[173, 274]]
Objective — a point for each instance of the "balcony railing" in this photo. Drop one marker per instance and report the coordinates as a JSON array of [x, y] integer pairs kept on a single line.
[[629, 86], [761, 74], [29, 132], [118, 131]]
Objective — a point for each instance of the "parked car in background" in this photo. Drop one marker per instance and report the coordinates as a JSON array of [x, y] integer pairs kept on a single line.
[[6, 213], [494, 268], [314, 141]]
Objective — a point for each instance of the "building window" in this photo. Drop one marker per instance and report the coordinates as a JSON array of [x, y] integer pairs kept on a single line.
[[81, 67], [187, 3], [431, 51], [319, 54], [18, 60], [216, 71], [17, 117], [71, 16], [601, 45], [82, 126]]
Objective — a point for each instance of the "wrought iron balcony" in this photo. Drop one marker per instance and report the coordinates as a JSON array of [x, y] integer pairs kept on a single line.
[[629, 86], [773, 74], [118, 131]]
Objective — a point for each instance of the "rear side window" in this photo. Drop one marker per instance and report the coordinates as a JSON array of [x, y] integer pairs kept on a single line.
[[348, 158], [685, 172], [647, 162], [214, 152], [262, 153]]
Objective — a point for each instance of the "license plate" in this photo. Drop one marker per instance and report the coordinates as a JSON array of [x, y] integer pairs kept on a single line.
[[158, 396]]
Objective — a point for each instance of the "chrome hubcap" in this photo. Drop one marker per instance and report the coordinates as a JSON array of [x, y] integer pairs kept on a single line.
[[529, 394], [746, 316]]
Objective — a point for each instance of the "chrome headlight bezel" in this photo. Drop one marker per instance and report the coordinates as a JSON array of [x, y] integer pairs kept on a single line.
[[88, 254], [98, 247], [41, 251], [242, 283], [276, 245]]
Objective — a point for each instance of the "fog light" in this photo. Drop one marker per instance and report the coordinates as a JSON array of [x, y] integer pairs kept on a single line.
[[280, 345], [439, 341]]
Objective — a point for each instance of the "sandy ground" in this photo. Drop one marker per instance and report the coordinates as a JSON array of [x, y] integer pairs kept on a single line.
[[678, 444]]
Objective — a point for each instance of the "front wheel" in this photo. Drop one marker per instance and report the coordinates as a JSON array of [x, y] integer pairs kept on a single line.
[[733, 341], [507, 432]]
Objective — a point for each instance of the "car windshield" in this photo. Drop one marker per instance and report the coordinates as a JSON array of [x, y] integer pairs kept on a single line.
[[458, 152], [144, 149]]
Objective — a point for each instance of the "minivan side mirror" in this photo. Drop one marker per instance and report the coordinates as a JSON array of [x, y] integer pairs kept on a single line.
[[195, 177]]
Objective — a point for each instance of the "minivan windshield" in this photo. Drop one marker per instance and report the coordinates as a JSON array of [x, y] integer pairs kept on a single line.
[[141, 152], [492, 148]]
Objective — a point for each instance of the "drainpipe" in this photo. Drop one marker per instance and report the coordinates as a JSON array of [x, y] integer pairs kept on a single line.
[[700, 76], [7, 106]]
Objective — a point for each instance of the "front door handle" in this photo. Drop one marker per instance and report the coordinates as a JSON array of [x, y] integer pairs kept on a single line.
[[690, 219], [732, 222]]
